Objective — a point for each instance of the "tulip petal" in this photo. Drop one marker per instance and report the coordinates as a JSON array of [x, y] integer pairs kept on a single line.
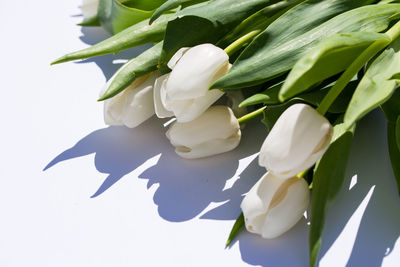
[[188, 110], [159, 95], [134, 105], [216, 131], [198, 68], [289, 211], [298, 139], [274, 205], [89, 8], [176, 57]]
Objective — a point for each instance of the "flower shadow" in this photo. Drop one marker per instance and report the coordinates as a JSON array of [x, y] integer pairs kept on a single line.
[[118, 150], [188, 187]]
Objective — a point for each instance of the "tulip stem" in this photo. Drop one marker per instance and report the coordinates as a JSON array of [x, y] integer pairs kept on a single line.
[[239, 43], [356, 66], [251, 116]]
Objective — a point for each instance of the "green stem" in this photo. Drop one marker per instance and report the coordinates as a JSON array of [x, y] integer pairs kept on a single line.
[[239, 43], [356, 66], [251, 116]]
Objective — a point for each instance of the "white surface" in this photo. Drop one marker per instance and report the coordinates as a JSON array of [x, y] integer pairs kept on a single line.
[[177, 213]]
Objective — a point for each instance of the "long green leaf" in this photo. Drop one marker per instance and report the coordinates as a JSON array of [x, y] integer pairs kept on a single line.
[[270, 55], [398, 132], [117, 15], [134, 68], [135, 35], [171, 4], [259, 21], [331, 56], [270, 97], [329, 175], [394, 152], [376, 86], [224, 14], [391, 109]]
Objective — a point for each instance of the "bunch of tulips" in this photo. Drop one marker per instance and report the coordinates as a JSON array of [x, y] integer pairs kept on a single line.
[[311, 68]]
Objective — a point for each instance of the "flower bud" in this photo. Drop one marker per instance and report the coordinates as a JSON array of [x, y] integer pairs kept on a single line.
[[275, 205], [216, 131], [132, 106], [298, 139], [185, 91], [89, 8]]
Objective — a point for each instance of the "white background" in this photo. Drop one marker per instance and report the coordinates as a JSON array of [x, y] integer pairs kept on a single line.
[[113, 196]]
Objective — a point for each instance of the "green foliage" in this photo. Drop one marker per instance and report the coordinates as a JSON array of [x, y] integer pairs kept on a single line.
[[171, 4], [376, 86], [329, 175], [331, 56], [287, 39]]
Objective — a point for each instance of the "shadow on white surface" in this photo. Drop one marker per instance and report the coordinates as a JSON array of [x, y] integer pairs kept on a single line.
[[370, 238]]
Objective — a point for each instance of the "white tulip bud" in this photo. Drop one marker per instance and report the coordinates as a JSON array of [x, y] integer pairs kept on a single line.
[[216, 131], [185, 91], [132, 106], [89, 8], [298, 139], [275, 205]]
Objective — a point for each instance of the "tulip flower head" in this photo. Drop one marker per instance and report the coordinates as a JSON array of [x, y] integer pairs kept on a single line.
[[216, 131], [132, 106], [89, 8], [275, 205], [298, 139], [185, 91]]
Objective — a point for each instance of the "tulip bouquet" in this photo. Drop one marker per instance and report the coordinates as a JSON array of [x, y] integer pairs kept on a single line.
[[312, 68]]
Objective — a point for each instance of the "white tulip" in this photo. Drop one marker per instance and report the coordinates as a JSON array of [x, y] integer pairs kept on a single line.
[[132, 106], [298, 139], [275, 205], [185, 91], [216, 131], [89, 8]]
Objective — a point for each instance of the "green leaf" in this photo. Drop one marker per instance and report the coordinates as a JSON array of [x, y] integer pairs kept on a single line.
[[331, 56], [206, 23], [267, 97], [90, 22], [171, 4], [237, 227], [117, 15], [259, 21], [180, 27], [398, 132], [287, 39], [135, 35], [134, 68], [391, 108], [329, 175], [376, 86], [394, 151]]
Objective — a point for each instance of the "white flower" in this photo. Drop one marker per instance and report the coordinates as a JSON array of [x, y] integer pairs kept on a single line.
[[216, 131], [275, 205], [89, 8], [132, 106], [298, 139], [185, 91]]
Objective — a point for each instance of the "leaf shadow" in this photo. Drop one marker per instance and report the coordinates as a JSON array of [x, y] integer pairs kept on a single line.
[[378, 229]]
